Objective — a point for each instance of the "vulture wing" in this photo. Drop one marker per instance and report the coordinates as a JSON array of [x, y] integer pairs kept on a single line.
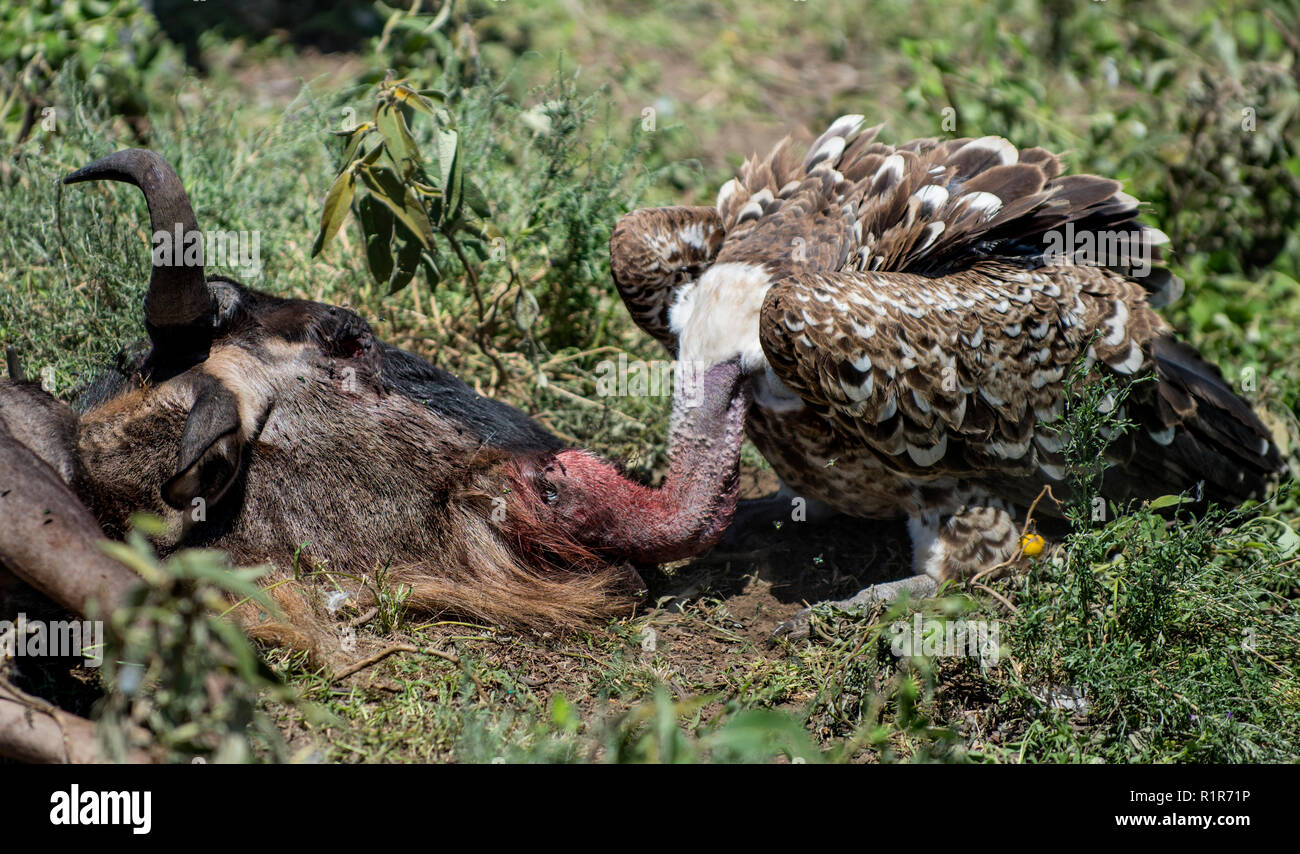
[[965, 375], [654, 252]]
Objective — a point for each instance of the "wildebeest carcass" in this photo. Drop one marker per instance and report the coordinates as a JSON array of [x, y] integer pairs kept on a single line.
[[282, 431]]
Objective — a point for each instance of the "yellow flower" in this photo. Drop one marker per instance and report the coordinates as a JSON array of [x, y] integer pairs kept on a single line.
[[1032, 545]]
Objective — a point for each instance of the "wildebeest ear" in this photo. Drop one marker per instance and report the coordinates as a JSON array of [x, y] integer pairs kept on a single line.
[[211, 449]]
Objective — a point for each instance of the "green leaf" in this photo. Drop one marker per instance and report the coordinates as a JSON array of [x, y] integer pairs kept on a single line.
[[399, 199], [355, 138], [413, 99], [1169, 501], [377, 232], [475, 199], [337, 202], [431, 272], [238, 645], [409, 253], [757, 734], [143, 565], [449, 172], [526, 310], [401, 145]]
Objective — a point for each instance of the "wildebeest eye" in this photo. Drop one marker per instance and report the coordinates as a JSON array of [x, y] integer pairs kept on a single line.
[[353, 346], [549, 493], [342, 334]]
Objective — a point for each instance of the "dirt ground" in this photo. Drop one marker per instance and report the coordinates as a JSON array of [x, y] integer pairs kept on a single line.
[[703, 626]]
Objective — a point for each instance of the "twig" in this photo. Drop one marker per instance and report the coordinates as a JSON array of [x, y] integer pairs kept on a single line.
[[556, 361], [358, 666], [1233, 660], [1020, 547], [577, 398], [363, 619], [996, 595]]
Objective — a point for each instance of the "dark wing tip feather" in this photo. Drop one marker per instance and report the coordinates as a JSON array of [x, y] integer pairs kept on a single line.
[[1220, 437]]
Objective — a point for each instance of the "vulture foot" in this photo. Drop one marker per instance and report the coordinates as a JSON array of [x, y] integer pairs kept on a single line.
[[917, 586], [944, 547]]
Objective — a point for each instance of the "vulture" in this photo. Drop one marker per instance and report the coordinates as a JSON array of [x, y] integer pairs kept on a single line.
[[895, 327]]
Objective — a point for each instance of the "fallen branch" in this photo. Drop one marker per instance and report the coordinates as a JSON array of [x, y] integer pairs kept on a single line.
[[49, 539], [364, 618], [358, 666], [34, 731]]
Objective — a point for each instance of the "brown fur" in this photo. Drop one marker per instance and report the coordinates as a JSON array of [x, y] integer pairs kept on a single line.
[[350, 483], [282, 432]]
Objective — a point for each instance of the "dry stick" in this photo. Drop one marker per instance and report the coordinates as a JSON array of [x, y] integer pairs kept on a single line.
[[556, 361], [1233, 659], [358, 666], [577, 398], [976, 580], [363, 619], [1020, 547], [996, 595], [406, 647], [34, 731]]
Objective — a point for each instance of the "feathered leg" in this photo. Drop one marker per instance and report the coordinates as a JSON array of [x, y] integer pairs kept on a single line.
[[944, 548]]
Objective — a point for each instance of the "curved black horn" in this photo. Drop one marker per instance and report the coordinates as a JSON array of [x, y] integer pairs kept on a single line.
[[178, 309]]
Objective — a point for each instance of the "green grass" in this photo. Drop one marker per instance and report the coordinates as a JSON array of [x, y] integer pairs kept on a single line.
[[1181, 637]]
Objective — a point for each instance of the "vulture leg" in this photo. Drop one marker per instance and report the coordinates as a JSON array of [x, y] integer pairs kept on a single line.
[[949, 548], [915, 586], [944, 548]]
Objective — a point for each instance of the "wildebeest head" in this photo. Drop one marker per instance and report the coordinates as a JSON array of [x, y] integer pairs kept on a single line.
[[283, 430]]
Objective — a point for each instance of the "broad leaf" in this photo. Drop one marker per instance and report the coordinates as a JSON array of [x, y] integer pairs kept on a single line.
[[337, 201], [399, 199], [409, 252], [377, 231]]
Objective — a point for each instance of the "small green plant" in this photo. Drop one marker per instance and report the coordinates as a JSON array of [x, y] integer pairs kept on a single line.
[[651, 732], [868, 698], [1093, 419], [1151, 629], [406, 206], [390, 600], [177, 667], [115, 47]]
